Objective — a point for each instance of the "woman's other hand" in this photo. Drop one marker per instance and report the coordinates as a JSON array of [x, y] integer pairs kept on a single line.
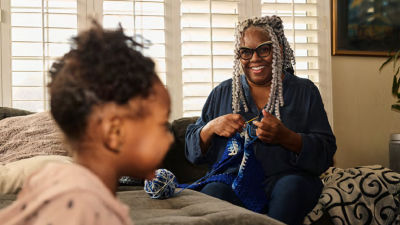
[[272, 131]]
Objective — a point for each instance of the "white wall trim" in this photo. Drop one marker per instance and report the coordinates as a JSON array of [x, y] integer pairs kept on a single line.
[[173, 56], [249, 8], [97, 11], [256, 8], [82, 14], [6, 84], [87, 10], [325, 59]]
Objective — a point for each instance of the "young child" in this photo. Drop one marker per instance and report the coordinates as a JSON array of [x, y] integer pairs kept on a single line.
[[113, 110]]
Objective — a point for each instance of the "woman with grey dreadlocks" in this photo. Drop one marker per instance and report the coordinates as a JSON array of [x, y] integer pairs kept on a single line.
[[291, 136]]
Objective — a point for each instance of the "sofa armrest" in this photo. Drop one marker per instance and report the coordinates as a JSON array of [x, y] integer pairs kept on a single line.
[[11, 112]]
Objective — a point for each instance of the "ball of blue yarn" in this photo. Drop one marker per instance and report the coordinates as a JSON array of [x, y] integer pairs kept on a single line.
[[162, 186]]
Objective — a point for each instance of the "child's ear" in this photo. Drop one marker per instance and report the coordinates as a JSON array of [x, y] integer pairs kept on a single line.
[[113, 136]]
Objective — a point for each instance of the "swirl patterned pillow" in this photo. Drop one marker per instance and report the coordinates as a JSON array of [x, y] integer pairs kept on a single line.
[[360, 195]]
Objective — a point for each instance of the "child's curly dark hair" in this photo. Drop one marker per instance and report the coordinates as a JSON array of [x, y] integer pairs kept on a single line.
[[102, 66]]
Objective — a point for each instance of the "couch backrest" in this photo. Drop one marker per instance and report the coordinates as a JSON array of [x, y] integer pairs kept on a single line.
[[175, 161], [10, 112]]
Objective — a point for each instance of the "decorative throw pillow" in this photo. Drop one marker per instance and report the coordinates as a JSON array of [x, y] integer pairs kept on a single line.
[[27, 136], [360, 195], [13, 175]]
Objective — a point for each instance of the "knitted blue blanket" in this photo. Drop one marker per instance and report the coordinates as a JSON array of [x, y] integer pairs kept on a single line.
[[247, 182]]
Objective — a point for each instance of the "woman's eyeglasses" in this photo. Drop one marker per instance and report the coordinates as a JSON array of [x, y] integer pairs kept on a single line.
[[263, 50]]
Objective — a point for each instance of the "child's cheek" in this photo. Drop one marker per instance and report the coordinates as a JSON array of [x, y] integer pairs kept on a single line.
[[152, 151]]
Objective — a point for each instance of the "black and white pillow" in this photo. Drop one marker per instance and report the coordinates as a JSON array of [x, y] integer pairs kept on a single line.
[[360, 195]]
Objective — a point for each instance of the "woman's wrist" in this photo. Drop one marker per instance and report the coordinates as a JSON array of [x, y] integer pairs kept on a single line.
[[292, 141], [206, 135]]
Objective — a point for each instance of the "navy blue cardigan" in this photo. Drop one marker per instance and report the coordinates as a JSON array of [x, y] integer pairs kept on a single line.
[[303, 112]]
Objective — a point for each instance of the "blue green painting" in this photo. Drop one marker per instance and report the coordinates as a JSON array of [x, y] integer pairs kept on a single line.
[[368, 25]]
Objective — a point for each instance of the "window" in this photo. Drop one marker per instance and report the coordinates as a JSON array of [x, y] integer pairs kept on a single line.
[[145, 19], [191, 42], [40, 32], [207, 35], [301, 29]]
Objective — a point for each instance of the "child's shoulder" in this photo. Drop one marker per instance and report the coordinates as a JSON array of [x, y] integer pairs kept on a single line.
[[76, 206], [57, 188], [83, 207], [63, 177]]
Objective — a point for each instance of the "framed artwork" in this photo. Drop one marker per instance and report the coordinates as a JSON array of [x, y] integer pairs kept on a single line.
[[365, 27]]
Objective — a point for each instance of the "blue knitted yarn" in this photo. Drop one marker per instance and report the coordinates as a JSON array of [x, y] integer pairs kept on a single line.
[[231, 157], [248, 185], [162, 186], [246, 182]]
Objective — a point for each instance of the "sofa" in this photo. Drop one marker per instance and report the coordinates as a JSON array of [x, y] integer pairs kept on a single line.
[[360, 195], [189, 207]]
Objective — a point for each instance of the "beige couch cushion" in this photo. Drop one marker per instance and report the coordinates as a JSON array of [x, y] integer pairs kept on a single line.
[[13, 175]]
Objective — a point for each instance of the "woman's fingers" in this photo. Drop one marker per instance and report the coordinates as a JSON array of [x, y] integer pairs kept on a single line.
[[261, 125], [227, 130], [237, 119], [265, 131], [228, 125]]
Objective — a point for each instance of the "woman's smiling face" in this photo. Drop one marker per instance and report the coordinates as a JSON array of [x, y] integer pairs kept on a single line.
[[258, 70]]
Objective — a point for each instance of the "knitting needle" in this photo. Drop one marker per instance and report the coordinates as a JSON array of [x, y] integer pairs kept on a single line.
[[252, 119]]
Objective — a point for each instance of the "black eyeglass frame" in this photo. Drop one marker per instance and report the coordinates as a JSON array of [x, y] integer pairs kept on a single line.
[[255, 50]]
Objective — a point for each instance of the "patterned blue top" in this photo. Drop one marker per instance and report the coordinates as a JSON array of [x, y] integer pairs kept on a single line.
[[303, 112]]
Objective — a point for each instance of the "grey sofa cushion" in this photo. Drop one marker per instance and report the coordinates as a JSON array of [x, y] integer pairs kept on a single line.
[[189, 207]]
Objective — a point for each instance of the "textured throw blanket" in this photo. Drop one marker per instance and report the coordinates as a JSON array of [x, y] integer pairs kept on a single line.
[[360, 195], [27, 136]]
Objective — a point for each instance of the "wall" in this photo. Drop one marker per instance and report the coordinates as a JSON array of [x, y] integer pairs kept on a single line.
[[362, 117]]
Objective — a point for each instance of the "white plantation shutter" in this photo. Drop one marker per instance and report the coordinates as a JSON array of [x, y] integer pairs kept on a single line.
[[144, 18], [207, 36], [300, 23], [40, 32], [192, 42]]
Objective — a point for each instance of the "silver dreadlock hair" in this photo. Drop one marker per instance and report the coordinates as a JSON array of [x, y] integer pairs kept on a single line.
[[273, 25]]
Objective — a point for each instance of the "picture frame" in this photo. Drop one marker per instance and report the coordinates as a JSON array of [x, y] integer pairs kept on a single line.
[[364, 27]]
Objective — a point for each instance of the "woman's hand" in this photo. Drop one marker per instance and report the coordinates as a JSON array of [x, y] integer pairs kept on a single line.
[[271, 130], [225, 126]]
